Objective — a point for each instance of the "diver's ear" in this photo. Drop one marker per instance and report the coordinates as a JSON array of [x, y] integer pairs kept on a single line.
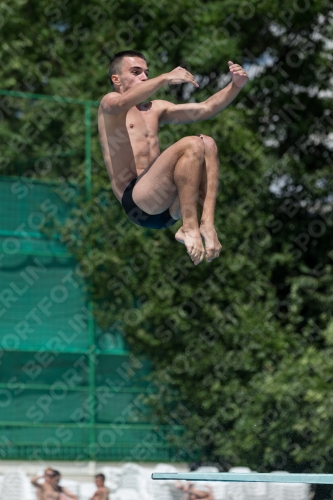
[[115, 79]]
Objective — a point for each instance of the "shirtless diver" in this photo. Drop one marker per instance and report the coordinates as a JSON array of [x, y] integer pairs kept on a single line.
[[156, 189]]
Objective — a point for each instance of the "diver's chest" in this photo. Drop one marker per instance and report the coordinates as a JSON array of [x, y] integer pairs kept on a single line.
[[142, 122]]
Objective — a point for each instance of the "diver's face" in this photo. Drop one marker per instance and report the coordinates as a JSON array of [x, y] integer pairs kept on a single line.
[[134, 70]]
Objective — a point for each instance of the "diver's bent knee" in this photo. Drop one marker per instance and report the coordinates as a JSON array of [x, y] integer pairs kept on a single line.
[[209, 143], [194, 144]]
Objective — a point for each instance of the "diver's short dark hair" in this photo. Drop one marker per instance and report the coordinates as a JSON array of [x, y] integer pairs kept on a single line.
[[101, 476], [116, 60]]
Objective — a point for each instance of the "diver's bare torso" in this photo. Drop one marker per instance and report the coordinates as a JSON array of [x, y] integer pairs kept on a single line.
[[129, 142]]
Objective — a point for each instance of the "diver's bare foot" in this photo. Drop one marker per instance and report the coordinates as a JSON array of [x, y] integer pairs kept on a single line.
[[212, 244], [193, 242]]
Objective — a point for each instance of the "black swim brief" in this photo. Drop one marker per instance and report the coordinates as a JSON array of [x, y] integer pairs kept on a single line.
[[141, 218]]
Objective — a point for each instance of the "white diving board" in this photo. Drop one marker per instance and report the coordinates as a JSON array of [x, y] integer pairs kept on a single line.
[[249, 477]]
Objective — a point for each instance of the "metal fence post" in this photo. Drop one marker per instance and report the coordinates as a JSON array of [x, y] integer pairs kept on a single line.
[[87, 121]]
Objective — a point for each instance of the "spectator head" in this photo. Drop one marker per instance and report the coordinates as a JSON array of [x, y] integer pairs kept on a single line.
[[53, 478], [48, 475], [99, 480]]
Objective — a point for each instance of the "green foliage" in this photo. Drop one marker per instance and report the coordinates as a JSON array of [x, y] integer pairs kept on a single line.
[[241, 347]]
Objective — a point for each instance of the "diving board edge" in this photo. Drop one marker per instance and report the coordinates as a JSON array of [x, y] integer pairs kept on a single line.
[[250, 477]]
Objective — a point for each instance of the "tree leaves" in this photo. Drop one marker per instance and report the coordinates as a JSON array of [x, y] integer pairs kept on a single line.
[[241, 347]]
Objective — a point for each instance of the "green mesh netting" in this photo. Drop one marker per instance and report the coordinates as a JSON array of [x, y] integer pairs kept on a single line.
[[68, 390]]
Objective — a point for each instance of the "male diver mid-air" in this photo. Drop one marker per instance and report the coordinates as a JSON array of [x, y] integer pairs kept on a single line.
[[156, 189]]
